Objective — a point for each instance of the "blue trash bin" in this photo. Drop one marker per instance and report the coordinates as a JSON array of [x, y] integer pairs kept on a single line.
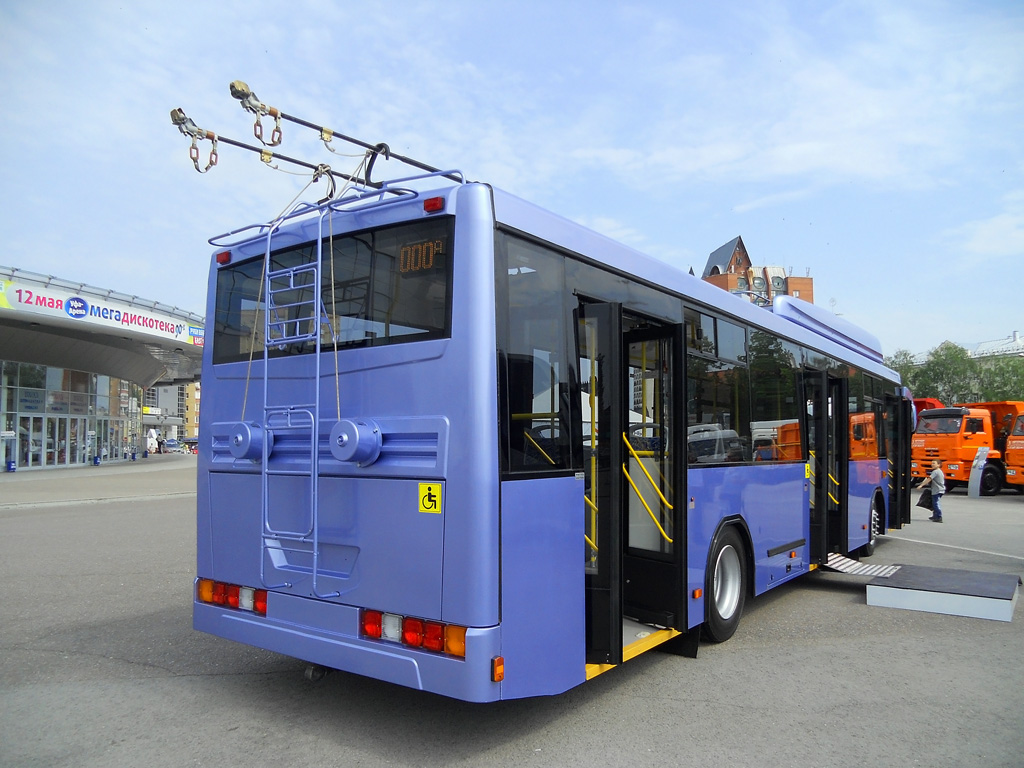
[[95, 461], [11, 466]]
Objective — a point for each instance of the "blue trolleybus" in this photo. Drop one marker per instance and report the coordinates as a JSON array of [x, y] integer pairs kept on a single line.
[[453, 441]]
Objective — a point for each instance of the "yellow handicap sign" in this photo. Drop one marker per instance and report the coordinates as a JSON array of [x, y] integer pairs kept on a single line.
[[430, 498]]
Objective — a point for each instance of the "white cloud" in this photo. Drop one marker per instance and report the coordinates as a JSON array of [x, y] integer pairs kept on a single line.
[[993, 238], [778, 198]]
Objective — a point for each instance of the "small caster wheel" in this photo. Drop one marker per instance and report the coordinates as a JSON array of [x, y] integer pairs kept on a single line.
[[315, 673]]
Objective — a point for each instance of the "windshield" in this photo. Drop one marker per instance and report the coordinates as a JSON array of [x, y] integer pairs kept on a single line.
[[1018, 428], [383, 286], [938, 425]]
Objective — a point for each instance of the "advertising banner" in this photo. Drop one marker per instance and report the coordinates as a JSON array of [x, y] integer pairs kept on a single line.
[[31, 298]]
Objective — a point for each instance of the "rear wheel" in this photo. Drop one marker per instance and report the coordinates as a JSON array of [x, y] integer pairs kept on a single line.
[[875, 529], [726, 586]]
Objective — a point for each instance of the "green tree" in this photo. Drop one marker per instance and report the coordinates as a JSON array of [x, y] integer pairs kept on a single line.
[[1002, 379], [953, 376], [902, 361], [950, 374]]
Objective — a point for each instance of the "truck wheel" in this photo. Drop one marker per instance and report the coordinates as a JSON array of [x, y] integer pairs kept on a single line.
[[991, 481]]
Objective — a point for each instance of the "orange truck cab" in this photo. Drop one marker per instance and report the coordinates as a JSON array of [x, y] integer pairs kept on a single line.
[[1015, 455], [953, 436]]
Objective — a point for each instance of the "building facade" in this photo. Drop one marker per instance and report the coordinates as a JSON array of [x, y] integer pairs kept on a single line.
[[76, 362], [58, 417], [729, 267]]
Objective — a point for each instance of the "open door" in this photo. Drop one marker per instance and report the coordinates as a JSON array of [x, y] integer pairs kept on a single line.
[[632, 384], [826, 411], [899, 422], [602, 381], [654, 471]]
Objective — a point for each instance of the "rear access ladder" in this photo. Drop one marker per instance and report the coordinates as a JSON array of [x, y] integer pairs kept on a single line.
[[294, 314]]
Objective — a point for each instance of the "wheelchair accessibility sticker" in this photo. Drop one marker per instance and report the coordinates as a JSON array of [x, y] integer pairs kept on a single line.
[[430, 498]]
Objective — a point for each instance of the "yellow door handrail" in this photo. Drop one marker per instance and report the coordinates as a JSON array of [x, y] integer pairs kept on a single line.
[[646, 506], [535, 445], [644, 470]]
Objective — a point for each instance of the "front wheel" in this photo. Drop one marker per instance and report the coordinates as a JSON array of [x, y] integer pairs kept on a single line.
[[726, 586], [991, 481]]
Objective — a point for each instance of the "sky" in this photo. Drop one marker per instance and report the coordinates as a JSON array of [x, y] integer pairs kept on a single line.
[[873, 145]]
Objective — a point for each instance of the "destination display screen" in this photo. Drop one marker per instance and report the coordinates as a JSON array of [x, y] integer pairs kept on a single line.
[[422, 256]]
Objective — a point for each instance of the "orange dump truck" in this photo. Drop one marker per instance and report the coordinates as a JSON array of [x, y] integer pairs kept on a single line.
[[1015, 455], [953, 435]]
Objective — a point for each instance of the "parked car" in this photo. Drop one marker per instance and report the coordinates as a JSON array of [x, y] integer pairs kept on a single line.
[[172, 446]]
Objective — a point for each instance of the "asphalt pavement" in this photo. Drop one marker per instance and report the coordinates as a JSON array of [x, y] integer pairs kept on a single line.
[[99, 665]]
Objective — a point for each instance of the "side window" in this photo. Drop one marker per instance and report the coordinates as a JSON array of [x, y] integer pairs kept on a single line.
[[717, 392], [533, 378], [774, 399]]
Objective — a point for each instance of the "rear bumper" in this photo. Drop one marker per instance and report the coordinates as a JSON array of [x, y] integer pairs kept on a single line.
[[289, 629]]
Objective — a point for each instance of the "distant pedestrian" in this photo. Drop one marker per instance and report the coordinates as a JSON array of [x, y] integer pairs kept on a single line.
[[937, 484]]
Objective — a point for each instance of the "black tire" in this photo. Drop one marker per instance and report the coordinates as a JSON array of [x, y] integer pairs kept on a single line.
[[725, 585], [875, 529], [991, 481]]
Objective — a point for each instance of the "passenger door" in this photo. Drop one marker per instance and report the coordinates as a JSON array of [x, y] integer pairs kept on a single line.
[[828, 467], [634, 469], [654, 471], [601, 382]]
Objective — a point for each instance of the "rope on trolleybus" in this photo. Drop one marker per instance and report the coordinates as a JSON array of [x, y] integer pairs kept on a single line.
[[321, 171], [263, 273]]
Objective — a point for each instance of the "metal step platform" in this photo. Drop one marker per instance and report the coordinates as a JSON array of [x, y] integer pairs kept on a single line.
[[841, 564], [945, 590]]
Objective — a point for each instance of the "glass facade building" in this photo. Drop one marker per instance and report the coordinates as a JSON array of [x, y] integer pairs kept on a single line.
[[59, 417]]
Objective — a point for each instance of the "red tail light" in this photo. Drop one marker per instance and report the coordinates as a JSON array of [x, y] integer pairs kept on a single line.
[[433, 637], [373, 623], [220, 593], [416, 633], [232, 596], [412, 632]]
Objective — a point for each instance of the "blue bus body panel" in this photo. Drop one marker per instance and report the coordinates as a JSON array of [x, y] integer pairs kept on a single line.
[[467, 386], [327, 634], [771, 500], [542, 586], [865, 477]]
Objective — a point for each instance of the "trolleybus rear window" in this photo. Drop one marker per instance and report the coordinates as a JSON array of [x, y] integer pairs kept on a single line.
[[382, 286]]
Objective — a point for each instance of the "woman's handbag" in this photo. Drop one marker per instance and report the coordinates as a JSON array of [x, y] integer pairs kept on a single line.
[[926, 499]]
